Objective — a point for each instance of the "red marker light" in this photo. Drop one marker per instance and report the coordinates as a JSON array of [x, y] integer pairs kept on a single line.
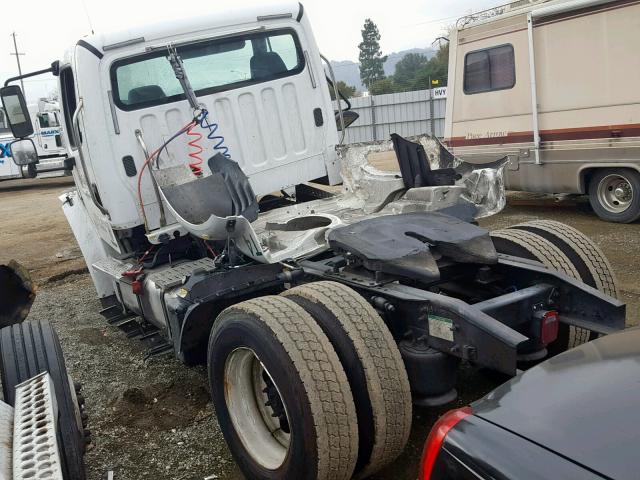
[[549, 327], [437, 435]]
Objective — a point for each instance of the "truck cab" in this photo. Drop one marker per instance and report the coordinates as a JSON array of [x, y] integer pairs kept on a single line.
[[260, 76], [48, 140]]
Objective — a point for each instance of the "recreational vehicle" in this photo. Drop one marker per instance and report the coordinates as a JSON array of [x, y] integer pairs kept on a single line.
[[553, 85]]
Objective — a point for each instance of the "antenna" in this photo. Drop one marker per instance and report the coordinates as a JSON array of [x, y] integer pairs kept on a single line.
[[86, 12], [17, 54]]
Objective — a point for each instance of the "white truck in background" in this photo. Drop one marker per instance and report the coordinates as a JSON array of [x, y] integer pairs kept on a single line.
[[48, 138]]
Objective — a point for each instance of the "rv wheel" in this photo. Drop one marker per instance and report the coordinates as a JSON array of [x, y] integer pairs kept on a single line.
[[373, 365], [281, 395], [614, 194]]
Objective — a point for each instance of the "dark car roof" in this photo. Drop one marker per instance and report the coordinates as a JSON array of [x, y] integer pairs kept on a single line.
[[583, 404]]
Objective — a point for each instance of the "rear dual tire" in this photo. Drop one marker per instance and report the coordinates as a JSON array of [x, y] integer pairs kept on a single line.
[[309, 392], [298, 346], [373, 366], [567, 250]]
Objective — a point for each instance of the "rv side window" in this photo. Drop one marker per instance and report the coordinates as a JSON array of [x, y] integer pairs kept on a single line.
[[213, 66], [489, 69], [68, 91], [4, 125]]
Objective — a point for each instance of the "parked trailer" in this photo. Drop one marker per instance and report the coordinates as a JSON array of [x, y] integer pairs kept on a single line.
[[553, 85], [322, 316]]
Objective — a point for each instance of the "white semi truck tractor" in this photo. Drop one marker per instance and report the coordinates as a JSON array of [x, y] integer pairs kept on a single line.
[[199, 150]]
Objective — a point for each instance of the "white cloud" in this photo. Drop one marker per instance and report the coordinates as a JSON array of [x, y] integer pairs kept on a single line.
[[46, 28]]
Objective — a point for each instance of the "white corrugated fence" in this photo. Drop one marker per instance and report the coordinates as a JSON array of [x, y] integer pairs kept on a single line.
[[406, 113]]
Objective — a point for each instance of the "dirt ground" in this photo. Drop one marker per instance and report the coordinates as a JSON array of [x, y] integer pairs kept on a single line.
[[152, 419]]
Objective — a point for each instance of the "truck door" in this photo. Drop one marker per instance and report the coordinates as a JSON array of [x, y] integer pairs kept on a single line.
[[83, 174]]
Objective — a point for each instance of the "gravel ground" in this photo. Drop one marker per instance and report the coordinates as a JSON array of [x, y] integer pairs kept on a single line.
[[149, 419], [152, 419]]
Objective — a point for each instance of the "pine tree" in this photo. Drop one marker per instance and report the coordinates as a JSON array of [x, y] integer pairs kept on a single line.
[[371, 59]]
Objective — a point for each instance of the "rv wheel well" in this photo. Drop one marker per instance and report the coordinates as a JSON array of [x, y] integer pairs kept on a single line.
[[585, 178], [587, 173]]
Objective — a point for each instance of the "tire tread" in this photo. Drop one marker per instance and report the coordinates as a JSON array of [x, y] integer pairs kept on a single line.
[[387, 381], [322, 376], [594, 259], [30, 348]]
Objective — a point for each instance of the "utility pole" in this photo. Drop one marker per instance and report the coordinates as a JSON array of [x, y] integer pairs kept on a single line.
[[17, 54]]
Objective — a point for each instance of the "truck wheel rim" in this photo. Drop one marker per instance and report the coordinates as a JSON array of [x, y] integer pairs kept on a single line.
[[256, 409], [615, 193]]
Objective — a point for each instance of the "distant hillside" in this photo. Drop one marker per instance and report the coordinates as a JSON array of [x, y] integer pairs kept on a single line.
[[349, 72]]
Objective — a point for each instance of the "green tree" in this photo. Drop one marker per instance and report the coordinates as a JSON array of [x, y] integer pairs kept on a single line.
[[382, 86], [371, 59], [407, 69], [348, 91], [437, 68]]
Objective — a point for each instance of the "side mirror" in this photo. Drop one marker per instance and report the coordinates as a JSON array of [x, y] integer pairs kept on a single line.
[[24, 152], [349, 116], [15, 107]]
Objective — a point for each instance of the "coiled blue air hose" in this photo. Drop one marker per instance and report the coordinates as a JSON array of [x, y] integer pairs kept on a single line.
[[212, 129]]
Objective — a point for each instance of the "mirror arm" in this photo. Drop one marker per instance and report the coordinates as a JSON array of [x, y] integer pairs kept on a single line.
[[51, 69], [76, 135]]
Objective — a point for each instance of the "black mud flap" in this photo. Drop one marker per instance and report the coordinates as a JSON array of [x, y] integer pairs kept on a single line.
[[18, 293]]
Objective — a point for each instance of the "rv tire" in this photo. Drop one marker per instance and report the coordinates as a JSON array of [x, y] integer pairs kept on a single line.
[[614, 194]]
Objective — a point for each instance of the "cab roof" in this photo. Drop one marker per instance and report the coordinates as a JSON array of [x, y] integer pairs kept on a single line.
[[159, 31]]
